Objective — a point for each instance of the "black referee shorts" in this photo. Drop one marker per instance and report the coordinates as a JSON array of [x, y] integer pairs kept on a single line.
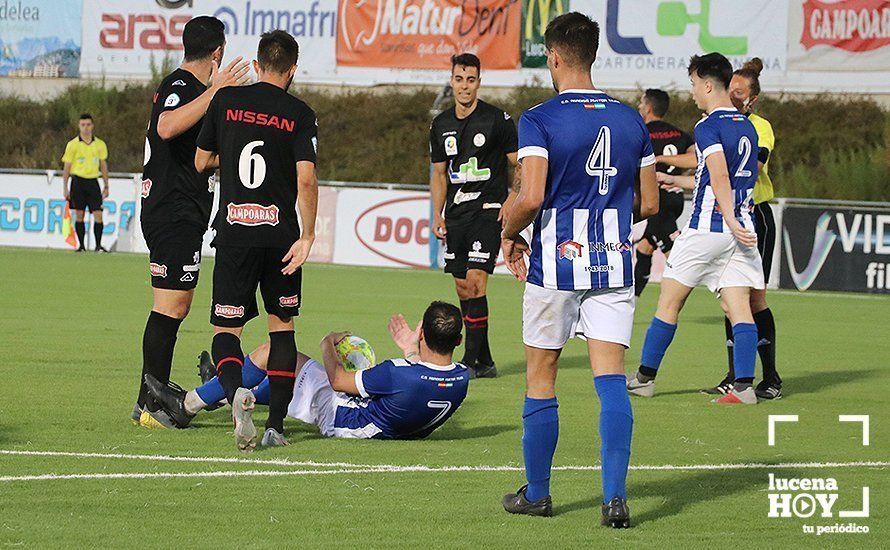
[[238, 271], [765, 226], [472, 244], [85, 194]]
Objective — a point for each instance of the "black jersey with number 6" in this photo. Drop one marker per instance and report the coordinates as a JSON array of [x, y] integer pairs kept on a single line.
[[476, 149], [172, 190], [260, 132]]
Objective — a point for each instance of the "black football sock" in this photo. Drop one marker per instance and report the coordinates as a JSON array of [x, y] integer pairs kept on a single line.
[[158, 342], [641, 272], [476, 325], [228, 358], [97, 233], [281, 372], [484, 357], [81, 229], [766, 344], [729, 345]]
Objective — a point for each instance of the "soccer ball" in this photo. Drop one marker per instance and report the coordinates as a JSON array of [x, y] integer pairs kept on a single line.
[[356, 354]]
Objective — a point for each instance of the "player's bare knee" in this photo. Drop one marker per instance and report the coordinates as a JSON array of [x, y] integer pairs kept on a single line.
[[277, 323]]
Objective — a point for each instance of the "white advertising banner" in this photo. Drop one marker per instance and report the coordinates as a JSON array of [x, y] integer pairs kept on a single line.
[[125, 37], [32, 211]]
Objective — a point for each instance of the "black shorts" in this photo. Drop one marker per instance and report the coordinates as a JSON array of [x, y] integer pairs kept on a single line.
[[174, 255], [472, 244], [85, 194], [765, 226], [238, 271], [661, 226]]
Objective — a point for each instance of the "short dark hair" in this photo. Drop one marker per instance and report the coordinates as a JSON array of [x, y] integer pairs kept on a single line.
[[576, 36], [278, 51], [86, 116], [202, 36], [442, 324], [659, 100], [466, 60], [713, 66], [751, 70]]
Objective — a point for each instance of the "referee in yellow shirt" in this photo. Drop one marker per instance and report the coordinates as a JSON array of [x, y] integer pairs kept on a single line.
[[744, 90], [85, 156]]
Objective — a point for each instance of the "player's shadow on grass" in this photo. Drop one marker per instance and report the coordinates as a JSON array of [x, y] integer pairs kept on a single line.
[[813, 382], [454, 430], [684, 489]]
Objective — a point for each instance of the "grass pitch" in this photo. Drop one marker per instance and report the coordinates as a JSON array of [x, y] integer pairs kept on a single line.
[[71, 330]]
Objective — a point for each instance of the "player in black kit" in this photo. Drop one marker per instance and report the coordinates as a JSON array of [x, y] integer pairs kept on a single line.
[[176, 199], [471, 145], [667, 140], [264, 142]]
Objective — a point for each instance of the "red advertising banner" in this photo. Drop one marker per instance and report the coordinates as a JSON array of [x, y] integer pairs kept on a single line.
[[851, 25], [424, 34]]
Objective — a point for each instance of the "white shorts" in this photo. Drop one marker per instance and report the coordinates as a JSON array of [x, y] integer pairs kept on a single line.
[[550, 317], [715, 260], [315, 402]]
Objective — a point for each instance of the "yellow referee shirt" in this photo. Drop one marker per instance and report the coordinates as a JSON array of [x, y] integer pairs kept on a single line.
[[84, 158], [763, 189]]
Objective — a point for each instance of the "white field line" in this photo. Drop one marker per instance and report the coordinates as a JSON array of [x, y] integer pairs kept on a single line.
[[350, 468]]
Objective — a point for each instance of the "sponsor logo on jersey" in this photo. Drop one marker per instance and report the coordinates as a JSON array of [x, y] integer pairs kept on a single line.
[[260, 119], [157, 270], [450, 145], [172, 100], [229, 312], [476, 255], [611, 247], [289, 301], [569, 250], [187, 278], [251, 214], [595, 106], [178, 83], [479, 139], [460, 197], [851, 25], [146, 188], [469, 172]]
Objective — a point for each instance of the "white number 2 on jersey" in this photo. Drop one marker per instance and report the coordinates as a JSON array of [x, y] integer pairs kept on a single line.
[[600, 159], [251, 166], [745, 151]]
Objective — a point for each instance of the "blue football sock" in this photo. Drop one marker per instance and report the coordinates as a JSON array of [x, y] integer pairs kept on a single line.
[[658, 338], [261, 392], [616, 427], [744, 336], [212, 391], [540, 422]]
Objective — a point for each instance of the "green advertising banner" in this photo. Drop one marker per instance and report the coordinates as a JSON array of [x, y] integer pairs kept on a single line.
[[536, 14]]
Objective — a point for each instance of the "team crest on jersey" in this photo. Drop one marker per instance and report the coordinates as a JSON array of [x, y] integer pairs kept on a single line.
[[477, 255], [451, 146], [157, 270], [229, 312], [289, 301], [146, 188], [479, 139], [251, 214], [569, 250], [172, 100]]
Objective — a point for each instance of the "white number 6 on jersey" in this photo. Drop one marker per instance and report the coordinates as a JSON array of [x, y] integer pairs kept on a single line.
[[251, 166]]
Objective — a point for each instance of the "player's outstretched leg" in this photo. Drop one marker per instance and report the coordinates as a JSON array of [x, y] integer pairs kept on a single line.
[[616, 429], [281, 373]]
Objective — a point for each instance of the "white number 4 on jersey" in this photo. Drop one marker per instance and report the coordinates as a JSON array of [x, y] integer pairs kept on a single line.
[[600, 160]]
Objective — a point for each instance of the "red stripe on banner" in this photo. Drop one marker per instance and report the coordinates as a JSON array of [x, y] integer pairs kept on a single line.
[[281, 373], [231, 359]]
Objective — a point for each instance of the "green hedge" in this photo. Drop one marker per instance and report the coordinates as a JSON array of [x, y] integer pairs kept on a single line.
[[826, 147]]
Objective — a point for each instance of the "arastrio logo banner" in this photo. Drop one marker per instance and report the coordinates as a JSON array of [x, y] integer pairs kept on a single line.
[[424, 34]]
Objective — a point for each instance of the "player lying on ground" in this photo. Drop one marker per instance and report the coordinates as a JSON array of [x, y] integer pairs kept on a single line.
[[397, 399], [717, 248]]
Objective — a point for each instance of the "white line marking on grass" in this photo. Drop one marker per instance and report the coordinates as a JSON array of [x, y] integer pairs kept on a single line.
[[350, 468]]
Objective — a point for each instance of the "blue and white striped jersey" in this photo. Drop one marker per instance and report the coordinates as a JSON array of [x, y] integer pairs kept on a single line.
[[727, 130], [595, 146]]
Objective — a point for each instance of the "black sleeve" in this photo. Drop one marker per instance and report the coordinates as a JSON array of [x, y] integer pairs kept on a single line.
[[687, 141], [763, 155], [509, 136], [437, 148], [172, 97], [207, 138], [305, 143]]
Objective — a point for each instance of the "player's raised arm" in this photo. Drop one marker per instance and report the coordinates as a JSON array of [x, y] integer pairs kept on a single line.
[[683, 160], [340, 379], [716, 163], [177, 121]]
